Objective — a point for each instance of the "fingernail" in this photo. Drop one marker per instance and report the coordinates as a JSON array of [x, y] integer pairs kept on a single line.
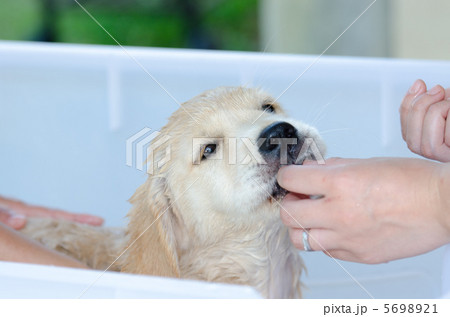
[[16, 221], [434, 91], [414, 89]]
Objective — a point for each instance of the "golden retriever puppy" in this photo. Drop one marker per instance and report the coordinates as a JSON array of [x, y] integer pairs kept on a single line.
[[209, 209]]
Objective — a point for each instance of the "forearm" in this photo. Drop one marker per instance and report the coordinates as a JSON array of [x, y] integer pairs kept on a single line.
[[15, 247]]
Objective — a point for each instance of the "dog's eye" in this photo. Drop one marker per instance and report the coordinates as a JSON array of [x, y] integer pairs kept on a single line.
[[208, 150], [268, 108]]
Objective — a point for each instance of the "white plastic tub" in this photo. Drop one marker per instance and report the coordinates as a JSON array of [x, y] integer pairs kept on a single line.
[[19, 280], [66, 112]]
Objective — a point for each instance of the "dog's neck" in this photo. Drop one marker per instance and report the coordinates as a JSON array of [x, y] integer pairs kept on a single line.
[[260, 255], [252, 249]]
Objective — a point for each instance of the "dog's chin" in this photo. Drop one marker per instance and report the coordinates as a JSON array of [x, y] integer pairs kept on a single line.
[[278, 192]]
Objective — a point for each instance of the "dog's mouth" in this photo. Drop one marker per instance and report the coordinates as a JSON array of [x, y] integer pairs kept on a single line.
[[282, 151], [278, 192]]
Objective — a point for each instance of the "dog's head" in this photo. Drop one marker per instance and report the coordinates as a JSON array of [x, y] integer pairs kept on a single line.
[[214, 169]]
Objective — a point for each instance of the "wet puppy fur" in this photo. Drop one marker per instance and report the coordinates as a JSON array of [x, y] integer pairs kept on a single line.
[[209, 209]]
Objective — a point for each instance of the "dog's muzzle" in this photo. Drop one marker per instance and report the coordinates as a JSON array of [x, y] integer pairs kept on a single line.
[[281, 143]]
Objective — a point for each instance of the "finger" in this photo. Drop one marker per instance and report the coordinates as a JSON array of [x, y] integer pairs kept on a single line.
[[346, 255], [4, 215], [36, 211], [330, 161], [335, 161], [15, 221], [447, 93], [304, 213], [24, 209], [339, 254], [81, 218], [89, 219], [417, 88], [416, 116], [310, 162], [318, 239], [435, 130], [308, 180], [10, 204]]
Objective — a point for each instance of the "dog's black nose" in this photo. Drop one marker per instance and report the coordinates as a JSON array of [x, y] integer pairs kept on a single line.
[[281, 140]]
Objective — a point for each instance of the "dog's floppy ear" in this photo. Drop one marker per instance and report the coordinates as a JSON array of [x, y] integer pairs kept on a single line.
[[152, 244]]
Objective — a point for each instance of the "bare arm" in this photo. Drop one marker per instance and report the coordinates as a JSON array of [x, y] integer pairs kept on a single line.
[[15, 247]]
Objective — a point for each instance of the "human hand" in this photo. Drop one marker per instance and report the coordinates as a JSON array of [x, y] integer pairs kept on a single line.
[[423, 116], [373, 210], [14, 213], [11, 219], [15, 247]]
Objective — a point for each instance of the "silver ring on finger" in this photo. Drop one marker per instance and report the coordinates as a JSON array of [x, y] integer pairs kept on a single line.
[[306, 244]]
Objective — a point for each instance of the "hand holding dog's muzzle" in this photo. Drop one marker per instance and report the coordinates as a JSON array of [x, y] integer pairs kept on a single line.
[[368, 210]]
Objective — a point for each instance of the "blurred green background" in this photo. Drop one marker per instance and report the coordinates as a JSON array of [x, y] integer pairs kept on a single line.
[[209, 24], [385, 28]]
